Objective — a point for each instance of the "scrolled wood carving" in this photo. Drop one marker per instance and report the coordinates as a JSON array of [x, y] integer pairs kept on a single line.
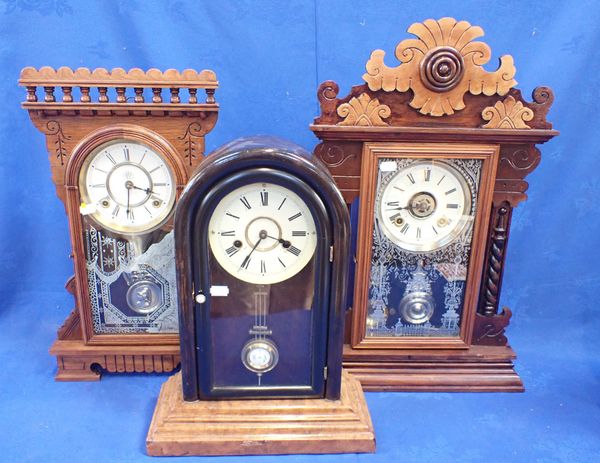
[[516, 162], [507, 114], [333, 155], [53, 128], [489, 331], [363, 111], [193, 142], [440, 66]]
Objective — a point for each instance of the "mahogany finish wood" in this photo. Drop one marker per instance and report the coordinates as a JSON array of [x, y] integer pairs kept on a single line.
[[174, 126], [450, 105], [260, 427]]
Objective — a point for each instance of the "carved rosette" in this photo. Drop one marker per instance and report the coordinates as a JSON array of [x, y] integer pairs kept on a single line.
[[363, 111], [507, 114], [440, 66]]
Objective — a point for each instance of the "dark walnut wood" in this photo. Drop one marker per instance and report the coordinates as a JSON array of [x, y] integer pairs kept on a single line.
[[174, 120], [438, 95]]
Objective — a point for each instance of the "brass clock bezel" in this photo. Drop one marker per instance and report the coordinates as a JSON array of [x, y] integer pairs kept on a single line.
[[113, 225], [442, 242]]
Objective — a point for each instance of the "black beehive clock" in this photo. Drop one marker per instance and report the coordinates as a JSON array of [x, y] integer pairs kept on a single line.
[[262, 246]]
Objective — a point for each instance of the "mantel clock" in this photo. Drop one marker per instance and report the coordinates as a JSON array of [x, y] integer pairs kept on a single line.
[[262, 245], [436, 150], [120, 157]]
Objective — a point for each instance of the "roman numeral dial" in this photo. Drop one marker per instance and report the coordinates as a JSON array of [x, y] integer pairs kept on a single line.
[[262, 233], [424, 205], [127, 187]]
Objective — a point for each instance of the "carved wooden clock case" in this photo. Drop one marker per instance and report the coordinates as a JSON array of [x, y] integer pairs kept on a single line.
[[437, 150], [120, 155]]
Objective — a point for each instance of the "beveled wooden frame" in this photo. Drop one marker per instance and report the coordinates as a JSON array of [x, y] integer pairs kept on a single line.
[[73, 199], [372, 152]]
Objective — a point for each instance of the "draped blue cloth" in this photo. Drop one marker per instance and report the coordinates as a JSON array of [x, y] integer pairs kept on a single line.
[[270, 57]]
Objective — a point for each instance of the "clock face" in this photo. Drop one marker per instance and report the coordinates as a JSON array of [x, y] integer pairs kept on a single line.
[[262, 233], [424, 206], [127, 187]]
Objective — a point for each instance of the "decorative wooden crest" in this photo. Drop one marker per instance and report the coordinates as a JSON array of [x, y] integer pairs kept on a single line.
[[440, 66]]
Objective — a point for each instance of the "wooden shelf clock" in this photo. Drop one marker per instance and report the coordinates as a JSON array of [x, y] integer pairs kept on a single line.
[[437, 150], [120, 153]]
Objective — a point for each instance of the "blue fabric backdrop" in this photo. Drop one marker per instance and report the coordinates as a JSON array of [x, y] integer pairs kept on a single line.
[[270, 57]]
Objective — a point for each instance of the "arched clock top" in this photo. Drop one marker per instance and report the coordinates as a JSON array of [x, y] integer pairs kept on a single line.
[[126, 132], [281, 187]]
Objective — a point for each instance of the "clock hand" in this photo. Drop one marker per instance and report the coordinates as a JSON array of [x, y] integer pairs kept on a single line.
[[286, 243], [127, 185], [262, 235], [397, 208], [147, 190]]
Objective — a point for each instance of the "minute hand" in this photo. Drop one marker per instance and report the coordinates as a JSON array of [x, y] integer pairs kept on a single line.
[[247, 258]]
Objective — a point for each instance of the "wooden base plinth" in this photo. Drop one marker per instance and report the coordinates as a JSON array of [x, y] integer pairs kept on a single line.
[[478, 369], [78, 361], [260, 427]]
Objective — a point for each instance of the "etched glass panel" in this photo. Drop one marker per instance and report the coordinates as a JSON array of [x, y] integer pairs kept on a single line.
[[424, 218], [131, 281]]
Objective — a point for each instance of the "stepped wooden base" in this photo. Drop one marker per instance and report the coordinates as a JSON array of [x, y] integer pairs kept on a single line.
[[78, 361], [478, 369], [260, 427]]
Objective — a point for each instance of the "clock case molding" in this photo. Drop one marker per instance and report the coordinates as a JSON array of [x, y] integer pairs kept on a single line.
[[111, 105], [439, 95]]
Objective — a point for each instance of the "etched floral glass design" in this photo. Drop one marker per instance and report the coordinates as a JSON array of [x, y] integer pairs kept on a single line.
[[432, 281], [131, 281]]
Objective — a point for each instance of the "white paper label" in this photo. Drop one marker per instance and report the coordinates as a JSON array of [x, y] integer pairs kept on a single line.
[[222, 291], [388, 166]]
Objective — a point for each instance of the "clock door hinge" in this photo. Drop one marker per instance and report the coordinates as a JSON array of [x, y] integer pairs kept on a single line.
[[325, 373], [330, 253]]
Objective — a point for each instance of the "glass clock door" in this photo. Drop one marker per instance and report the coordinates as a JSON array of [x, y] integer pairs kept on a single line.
[[415, 261]]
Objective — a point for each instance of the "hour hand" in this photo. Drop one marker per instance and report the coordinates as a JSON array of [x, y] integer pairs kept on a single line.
[[147, 190], [397, 208], [285, 243]]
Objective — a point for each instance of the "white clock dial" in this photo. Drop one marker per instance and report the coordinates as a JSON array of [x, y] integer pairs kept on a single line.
[[262, 233], [127, 187], [424, 206]]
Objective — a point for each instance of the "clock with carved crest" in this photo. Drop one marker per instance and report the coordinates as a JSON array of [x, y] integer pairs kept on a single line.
[[121, 145], [436, 150]]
